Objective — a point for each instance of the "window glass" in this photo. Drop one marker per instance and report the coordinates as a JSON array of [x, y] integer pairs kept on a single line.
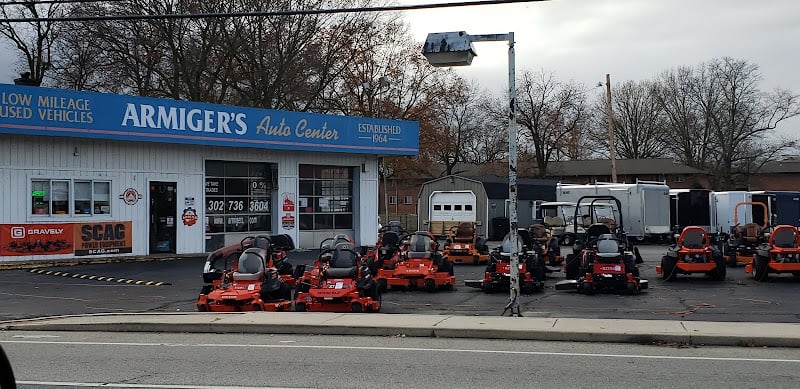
[[326, 197], [60, 200], [457, 207], [239, 196], [83, 197], [102, 197], [468, 207], [40, 197]]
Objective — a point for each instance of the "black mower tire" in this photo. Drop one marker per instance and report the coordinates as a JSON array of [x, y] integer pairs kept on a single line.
[[720, 272], [430, 285], [760, 268], [571, 267], [732, 259], [356, 307], [382, 285], [669, 268], [300, 307]]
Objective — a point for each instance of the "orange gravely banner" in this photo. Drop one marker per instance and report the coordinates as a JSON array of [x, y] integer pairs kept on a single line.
[[36, 239], [103, 238]]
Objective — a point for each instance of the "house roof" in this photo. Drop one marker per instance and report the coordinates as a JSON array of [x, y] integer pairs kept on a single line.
[[602, 167], [785, 166]]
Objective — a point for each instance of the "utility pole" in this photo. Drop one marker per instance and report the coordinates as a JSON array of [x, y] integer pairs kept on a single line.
[[611, 143]]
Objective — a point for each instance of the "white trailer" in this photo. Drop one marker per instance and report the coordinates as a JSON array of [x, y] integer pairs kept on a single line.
[[645, 205], [725, 206]]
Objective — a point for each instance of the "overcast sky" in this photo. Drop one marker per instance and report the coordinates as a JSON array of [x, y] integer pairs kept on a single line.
[[629, 39]]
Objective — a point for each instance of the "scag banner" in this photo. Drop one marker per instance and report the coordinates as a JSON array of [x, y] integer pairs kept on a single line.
[[35, 239], [103, 238], [60, 112]]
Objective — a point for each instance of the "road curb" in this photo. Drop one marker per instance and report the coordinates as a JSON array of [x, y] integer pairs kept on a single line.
[[482, 327]]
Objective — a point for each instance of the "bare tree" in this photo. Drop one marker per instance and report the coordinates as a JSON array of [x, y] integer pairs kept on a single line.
[[638, 121], [550, 113], [33, 40]]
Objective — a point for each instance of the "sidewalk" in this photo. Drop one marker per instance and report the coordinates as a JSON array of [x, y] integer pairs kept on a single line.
[[746, 334]]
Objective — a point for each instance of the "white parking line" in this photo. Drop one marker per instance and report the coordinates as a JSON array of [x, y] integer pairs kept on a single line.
[[412, 349]]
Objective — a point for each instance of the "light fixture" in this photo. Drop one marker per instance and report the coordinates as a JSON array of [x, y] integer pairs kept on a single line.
[[75, 152]]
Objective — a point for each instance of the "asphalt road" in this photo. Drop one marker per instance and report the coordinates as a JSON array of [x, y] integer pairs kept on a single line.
[[147, 360], [26, 294]]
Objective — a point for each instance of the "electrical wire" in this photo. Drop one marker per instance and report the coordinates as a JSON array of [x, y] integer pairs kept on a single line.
[[255, 13], [43, 2]]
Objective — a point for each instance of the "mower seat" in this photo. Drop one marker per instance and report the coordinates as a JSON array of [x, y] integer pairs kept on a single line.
[[539, 233], [785, 238], [390, 239], [750, 232], [343, 264], [465, 233], [251, 265], [596, 230], [421, 246], [607, 247], [693, 239]]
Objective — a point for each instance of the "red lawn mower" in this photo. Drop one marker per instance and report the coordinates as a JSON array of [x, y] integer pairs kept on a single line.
[[497, 277], [692, 253], [255, 280], [339, 281], [422, 266], [603, 259], [780, 255]]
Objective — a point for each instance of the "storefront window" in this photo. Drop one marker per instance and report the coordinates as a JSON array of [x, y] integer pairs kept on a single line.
[[55, 197], [326, 197], [238, 196]]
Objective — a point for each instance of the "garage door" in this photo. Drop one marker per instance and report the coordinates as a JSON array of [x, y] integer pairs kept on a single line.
[[453, 206]]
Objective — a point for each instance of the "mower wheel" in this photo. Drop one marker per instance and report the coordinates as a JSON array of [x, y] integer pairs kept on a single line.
[[796, 274], [669, 268], [356, 307], [476, 260], [572, 265], [720, 271], [446, 266], [760, 265], [300, 307], [732, 259], [383, 285], [430, 285]]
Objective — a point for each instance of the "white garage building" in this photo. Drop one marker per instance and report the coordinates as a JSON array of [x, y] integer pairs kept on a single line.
[[88, 174]]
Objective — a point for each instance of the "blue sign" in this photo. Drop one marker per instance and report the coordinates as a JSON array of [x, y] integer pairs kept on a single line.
[[59, 112]]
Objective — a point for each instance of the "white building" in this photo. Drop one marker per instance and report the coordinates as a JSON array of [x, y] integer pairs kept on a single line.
[[87, 174]]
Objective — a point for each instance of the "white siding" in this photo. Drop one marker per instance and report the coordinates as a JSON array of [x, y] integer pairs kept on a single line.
[[135, 164]]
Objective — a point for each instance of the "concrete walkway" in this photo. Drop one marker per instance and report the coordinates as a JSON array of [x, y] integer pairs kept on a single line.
[[746, 334]]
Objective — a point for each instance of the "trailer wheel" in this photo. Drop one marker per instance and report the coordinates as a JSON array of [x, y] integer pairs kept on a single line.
[[760, 264], [567, 240]]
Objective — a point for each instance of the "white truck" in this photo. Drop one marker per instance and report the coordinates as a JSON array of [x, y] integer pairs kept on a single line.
[[645, 205]]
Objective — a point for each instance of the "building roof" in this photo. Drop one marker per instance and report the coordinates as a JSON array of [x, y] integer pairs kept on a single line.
[[527, 188], [628, 167], [785, 166]]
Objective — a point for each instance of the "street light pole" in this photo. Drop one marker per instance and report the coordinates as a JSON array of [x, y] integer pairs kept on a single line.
[[610, 114], [455, 49]]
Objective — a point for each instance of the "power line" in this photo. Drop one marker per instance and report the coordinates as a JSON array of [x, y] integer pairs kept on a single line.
[[255, 13], [43, 2]]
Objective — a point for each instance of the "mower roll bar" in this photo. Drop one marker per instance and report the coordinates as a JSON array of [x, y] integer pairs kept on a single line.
[[591, 209]]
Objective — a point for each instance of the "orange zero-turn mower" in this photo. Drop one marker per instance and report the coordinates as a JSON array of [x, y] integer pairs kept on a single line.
[[781, 254], [692, 253], [251, 287], [339, 282], [464, 246], [740, 245], [546, 245], [497, 276], [391, 246], [423, 266]]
